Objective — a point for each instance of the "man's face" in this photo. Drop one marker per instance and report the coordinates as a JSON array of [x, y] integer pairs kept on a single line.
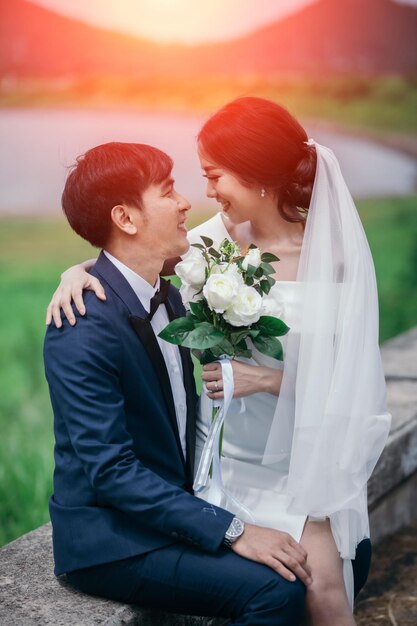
[[164, 212]]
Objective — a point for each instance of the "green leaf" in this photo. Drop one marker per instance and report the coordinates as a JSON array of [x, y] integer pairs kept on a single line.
[[177, 330], [197, 309], [207, 241], [214, 253], [216, 351], [242, 343], [236, 336], [270, 346], [265, 286], [267, 268], [244, 352], [252, 246], [204, 336], [249, 281], [271, 326], [250, 271], [208, 313], [198, 245], [268, 257], [205, 356], [225, 347]]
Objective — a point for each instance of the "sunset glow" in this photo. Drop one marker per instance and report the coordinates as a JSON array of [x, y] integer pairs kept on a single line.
[[185, 21]]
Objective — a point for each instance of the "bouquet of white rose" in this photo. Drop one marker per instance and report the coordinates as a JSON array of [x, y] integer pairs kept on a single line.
[[223, 291]]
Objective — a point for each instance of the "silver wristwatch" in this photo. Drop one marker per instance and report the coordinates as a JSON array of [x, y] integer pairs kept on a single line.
[[235, 530]]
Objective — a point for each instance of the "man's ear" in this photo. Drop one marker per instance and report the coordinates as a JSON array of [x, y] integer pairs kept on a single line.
[[125, 218]]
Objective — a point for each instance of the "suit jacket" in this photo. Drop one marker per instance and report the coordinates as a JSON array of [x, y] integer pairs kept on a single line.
[[121, 484]]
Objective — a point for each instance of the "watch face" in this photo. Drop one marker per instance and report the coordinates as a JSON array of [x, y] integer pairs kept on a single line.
[[236, 528]]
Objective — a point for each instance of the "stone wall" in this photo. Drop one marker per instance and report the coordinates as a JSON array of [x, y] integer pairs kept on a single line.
[[392, 490], [31, 595]]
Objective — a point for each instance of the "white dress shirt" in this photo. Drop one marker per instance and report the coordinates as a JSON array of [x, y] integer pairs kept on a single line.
[[170, 352]]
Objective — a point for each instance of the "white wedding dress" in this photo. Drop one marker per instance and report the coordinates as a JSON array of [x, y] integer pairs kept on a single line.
[[253, 491], [309, 453]]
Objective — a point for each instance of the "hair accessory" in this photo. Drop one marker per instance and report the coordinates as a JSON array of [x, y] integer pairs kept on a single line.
[[310, 142], [263, 193]]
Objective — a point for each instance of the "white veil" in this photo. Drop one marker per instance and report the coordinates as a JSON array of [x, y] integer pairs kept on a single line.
[[331, 421]]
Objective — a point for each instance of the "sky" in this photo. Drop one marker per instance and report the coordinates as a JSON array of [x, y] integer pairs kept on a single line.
[[184, 21]]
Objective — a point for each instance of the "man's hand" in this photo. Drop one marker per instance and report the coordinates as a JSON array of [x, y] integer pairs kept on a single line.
[[276, 549]]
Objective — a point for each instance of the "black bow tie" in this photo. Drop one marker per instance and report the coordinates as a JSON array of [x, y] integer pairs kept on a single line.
[[160, 297]]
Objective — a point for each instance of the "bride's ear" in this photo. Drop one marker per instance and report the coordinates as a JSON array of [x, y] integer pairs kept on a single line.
[[125, 218]]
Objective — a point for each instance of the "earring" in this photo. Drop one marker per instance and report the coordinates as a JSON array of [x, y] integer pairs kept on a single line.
[[263, 193]]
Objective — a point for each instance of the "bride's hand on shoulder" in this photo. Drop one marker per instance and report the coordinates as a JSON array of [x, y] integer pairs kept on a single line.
[[248, 379], [69, 290]]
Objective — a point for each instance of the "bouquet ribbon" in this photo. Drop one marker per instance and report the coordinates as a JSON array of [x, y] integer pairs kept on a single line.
[[210, 455]]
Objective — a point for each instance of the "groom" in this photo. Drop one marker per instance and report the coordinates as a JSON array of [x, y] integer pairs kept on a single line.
[[126, 524]]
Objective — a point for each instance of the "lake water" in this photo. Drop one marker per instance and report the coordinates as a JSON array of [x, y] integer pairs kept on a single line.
[[38, 145]]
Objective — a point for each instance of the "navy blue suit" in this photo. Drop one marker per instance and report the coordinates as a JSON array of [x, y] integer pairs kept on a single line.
[[122, 489], [121, 486]]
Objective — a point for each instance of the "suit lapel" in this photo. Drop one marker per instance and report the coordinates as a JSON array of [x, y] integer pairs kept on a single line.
[[188, 370], [188, 376], [145, 333], [105, 268]]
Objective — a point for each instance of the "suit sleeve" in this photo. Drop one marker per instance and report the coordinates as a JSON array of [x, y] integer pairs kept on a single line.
[[82, 365]]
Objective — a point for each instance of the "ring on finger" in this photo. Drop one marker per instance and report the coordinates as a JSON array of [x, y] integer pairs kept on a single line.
[[217, 385]]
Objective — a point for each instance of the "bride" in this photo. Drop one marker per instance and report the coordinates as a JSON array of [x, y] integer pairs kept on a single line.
[[302, 437]]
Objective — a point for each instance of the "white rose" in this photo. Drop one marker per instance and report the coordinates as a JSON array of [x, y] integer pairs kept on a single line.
[[228, 269], [189, 294], [253, 257], [192, 269], [220, 290], [245, 309]]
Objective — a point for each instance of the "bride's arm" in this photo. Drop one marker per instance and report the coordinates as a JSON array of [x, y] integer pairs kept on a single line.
[[70, 289], [73, 281], [248, 379]]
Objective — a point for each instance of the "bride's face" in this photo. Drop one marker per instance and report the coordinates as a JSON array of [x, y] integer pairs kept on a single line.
[[239, 202]]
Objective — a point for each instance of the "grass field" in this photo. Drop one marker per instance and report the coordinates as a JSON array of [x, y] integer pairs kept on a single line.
[[33, 254]]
